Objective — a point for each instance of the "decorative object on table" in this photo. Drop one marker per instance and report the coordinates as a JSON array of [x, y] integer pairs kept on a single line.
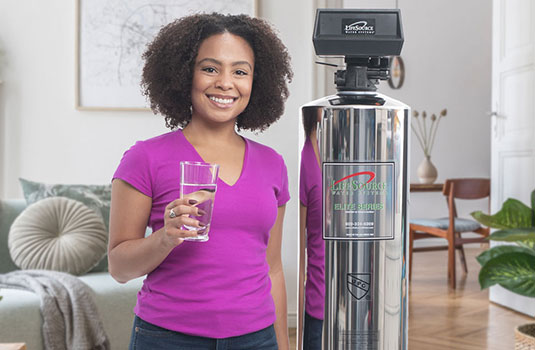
[[511, 266], [111, 38], [426, 131]]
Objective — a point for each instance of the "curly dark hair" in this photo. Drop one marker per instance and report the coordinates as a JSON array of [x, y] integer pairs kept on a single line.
[[170, 59]]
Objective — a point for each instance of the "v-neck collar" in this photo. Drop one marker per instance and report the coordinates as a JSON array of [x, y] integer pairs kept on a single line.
[[200, 159]]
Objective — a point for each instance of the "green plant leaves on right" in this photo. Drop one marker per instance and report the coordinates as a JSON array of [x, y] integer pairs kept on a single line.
[[489, 254], [524, 236], [510, 266], [513, 214], [514, 270]]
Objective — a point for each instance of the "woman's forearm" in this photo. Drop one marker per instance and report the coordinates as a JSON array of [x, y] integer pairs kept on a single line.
[[278, 292], [135, 258], [130, 254]]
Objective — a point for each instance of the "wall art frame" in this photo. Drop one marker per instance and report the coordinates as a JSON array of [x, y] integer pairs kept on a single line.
[[111, 36]]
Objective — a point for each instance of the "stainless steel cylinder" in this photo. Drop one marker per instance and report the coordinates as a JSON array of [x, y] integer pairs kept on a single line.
[[363, 141]]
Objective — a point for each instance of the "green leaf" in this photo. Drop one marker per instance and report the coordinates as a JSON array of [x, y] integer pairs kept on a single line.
[[525, 235], [493, 252], [486, 220], [529, 245], [513, 271], [513, 214]]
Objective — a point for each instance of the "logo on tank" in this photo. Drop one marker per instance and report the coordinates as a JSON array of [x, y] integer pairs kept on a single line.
[[361, 182], [358, 284], [358, 26]]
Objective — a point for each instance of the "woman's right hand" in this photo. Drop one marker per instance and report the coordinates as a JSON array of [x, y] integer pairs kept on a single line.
[[177, 214]]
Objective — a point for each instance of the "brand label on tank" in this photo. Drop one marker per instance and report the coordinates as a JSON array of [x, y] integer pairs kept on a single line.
[[358, 201], [358, 26]]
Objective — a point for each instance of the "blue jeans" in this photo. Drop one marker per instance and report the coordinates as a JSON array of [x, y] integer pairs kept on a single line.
[[146, 336], [312, 333]]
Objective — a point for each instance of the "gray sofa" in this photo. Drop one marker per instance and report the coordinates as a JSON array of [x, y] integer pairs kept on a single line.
[[20, 318]]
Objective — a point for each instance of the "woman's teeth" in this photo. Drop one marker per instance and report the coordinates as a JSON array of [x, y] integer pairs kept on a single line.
[[221, 100]]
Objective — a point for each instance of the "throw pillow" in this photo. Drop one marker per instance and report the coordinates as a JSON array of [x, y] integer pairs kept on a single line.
[[96, 197], [58, 234]]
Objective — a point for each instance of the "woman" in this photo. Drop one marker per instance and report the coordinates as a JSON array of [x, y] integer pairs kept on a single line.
[[311, 292], [208, 74]]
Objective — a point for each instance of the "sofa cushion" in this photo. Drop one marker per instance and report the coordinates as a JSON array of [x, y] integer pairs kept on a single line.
[[9, 210], [58, 234], [96, 197], [24, 321]]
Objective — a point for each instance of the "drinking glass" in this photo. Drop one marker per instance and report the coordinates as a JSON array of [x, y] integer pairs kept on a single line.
[[198, 181]]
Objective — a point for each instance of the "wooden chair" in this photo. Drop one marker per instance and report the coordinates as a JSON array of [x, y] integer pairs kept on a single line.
[[452, 227]]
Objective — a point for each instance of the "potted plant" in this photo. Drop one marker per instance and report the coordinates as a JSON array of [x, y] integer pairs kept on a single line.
[[511, 266]]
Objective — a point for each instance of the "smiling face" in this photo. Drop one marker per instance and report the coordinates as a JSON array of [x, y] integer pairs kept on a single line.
[[222, 79]]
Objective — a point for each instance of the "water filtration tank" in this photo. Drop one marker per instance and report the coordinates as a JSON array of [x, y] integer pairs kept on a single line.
[[363, 143]]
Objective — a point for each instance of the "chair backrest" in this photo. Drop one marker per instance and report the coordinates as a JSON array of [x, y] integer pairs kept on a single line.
[[468, 188], [471, 188]]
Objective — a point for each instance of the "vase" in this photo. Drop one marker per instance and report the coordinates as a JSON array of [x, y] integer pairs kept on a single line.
[[427, 173]]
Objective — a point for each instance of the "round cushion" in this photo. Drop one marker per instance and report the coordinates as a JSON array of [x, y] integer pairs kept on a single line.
[[58, 234]]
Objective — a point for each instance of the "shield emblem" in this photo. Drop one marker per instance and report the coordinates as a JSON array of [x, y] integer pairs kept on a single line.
[[358, 284]]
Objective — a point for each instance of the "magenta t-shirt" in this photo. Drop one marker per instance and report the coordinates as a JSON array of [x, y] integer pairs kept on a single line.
[[219, 288], [311, 197]]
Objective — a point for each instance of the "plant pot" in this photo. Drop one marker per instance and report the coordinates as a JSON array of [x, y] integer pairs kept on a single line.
[[427, 173], [525, 337]]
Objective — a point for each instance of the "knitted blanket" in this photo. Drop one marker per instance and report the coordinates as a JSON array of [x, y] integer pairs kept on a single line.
[[70, 317]]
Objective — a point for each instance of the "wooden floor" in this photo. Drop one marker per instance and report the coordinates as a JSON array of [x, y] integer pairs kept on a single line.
[[464, 319], [441, 318], [292, 334]]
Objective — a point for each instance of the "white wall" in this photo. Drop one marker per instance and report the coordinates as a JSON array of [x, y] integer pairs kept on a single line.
[[43, 137], [447, 56], [296, 33]]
